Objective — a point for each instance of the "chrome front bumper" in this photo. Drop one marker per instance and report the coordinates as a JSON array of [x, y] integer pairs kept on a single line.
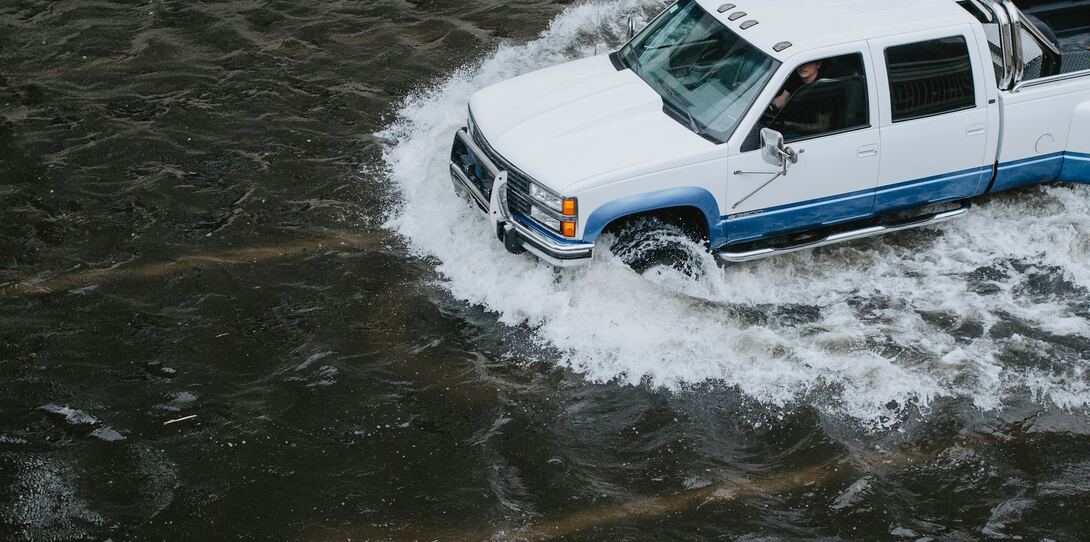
[[516, 236]]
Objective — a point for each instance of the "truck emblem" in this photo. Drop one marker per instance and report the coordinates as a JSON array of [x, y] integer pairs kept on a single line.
[[745, 214]]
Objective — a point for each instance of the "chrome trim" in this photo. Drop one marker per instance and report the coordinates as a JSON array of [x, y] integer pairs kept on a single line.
[[542, 246], [480, 156], [554, 248], [464, 187], [471, 123], [1005, 34], [862, 233], [1049, 50], [726, 7], [1037, 35], [1050, 79], [556, 262], [1015, 17], [499, 193]]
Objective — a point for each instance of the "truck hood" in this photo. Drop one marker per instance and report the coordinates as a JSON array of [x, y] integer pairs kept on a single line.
[[582, 122]]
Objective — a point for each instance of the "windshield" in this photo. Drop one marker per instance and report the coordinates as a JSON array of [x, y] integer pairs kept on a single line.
[[707, 75]]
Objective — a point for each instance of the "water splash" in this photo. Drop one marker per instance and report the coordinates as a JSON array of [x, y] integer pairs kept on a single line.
[[987, 308]]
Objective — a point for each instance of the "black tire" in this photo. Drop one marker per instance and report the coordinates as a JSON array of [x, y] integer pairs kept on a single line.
[[644, 243]]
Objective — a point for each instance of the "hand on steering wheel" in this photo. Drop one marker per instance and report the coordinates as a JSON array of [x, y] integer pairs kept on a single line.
[[769, 114]]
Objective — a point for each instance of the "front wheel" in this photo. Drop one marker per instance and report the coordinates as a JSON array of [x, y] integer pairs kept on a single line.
[[645, 243]]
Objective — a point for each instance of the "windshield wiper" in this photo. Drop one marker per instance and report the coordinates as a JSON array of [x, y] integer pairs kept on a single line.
[[692, 123], [677, 108], [679, 44]]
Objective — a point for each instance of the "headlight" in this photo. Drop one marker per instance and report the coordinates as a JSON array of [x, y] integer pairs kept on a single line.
[[554, 212], [541, 195], [545, 218]]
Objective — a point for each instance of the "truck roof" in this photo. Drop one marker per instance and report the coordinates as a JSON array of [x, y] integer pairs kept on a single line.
[[812, 24]]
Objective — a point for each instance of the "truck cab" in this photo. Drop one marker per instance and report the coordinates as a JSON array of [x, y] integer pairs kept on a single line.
[[782, 125]]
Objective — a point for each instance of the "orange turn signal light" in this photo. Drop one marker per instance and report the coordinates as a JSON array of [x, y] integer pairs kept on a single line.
[[568, 208], [567, 229]]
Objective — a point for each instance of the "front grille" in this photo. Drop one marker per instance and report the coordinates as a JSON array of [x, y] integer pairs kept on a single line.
[[518, 184], [463, 158]]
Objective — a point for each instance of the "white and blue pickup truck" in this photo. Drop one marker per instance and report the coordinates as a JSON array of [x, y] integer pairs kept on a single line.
[[769, 126]]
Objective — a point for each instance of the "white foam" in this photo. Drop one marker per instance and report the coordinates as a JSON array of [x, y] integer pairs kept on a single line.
[[870, 339]]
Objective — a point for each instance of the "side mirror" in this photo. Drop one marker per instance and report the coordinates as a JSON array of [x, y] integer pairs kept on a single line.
[[631, 28], [773, 150]]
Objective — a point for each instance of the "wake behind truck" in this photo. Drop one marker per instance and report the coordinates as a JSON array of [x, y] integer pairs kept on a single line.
[[765, 127]]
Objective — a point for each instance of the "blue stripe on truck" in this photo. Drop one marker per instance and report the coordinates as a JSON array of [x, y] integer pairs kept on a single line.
[[1069, 166], [828, 210], [856, 205], [1064, 166], [935, 189], [1076, 168], [1027, 171]]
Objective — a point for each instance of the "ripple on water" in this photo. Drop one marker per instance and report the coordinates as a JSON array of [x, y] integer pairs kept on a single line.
[[46, 506]]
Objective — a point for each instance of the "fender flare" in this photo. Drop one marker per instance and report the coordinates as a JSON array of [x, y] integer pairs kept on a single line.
[[689, 196]]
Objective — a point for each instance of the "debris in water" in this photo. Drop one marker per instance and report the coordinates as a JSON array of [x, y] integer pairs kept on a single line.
[[182, 419], [70, 415], [852, 496], [155, 368], [179, 401], [108, 434]]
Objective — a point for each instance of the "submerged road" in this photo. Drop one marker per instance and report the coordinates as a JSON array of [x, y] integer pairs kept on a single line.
[[239, 300]]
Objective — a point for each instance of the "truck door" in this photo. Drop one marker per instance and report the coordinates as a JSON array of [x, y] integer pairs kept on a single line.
[[832, 124], [935, 127]]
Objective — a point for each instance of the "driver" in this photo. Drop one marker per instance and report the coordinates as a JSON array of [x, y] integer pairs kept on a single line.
[[804, 75]]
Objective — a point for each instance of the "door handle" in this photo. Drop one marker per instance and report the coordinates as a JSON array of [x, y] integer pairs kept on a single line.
[[867, 151], [974, 130]]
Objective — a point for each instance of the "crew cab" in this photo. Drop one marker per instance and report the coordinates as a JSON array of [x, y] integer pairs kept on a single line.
[[704, 119]]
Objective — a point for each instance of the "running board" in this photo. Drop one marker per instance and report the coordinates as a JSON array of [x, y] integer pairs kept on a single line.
[[861, 233]]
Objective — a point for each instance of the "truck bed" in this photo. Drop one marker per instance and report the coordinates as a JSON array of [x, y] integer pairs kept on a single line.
[[1069, 22]]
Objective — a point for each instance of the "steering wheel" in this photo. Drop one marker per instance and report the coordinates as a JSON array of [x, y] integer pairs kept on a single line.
[[769, 115]]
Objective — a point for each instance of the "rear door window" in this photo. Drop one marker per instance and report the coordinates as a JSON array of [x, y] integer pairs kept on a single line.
[[930, 78]]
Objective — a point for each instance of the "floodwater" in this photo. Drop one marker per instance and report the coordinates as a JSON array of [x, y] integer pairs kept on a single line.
[[238, 299]]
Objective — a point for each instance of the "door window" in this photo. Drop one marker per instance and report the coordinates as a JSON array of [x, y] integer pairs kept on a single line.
[[820, 98], [930, 78]]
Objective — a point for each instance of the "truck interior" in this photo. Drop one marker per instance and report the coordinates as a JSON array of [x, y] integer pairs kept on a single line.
[[836, 102]]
